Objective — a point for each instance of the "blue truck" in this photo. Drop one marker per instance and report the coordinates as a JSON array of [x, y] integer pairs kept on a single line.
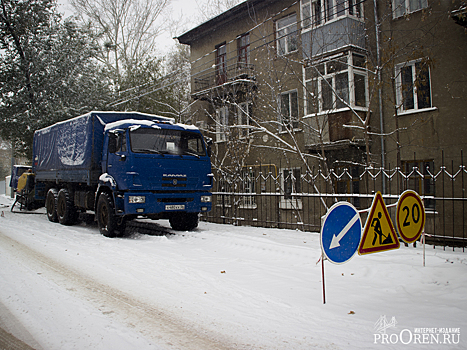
[[120, 165]]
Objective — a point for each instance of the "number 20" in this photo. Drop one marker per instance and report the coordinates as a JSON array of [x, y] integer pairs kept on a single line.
[[415, 214]]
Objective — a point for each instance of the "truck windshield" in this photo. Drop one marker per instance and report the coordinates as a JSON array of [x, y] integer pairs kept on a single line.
[[160, 141]]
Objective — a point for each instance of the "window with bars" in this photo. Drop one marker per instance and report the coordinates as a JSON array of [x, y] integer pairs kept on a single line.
[[420, 179], [248, 177], [291, 183], [349, 182]]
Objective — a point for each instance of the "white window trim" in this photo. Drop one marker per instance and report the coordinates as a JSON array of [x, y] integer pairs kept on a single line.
[[289, 203], [286, 37], [244, 130], [324, 21], [291, 118], [399, 97], [221, 127], [351, 70], [407, 9]]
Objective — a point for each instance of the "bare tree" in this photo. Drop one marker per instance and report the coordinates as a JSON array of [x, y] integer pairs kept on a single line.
[[128, 29]]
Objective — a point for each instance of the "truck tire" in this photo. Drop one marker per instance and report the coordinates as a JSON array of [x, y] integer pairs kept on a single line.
[[110, 225], [51, 205], [66, 212], [184, 221]]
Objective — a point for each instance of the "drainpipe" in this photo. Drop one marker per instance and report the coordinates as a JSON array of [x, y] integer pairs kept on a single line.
[[380, 98]]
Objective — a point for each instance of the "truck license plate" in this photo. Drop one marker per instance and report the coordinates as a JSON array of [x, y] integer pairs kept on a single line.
[[175, 207]]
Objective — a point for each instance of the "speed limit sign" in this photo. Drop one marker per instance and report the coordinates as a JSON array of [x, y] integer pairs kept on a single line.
[[410, 216]]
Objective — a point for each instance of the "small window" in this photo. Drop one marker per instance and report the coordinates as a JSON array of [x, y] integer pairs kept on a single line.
[[291, 183], [286, 34], [222, 124], [243, 119], [289, 110], [243, 46], [404, 7]]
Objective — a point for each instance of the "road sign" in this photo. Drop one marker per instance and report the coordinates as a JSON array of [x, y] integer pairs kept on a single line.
[[379, 233], [341, 232], [410, 216]]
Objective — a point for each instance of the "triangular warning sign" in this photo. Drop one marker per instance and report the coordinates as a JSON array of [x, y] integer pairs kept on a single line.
[[379, 233]]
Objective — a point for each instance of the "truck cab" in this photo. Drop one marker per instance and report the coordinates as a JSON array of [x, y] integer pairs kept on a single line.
[[154, 169]]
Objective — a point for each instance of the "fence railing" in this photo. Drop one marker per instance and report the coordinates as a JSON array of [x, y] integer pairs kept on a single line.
[[267, 196]]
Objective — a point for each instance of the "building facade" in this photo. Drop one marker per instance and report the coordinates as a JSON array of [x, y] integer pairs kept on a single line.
[[286, 88]]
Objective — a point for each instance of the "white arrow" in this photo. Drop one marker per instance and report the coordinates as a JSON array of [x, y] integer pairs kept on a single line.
[[336, 239]]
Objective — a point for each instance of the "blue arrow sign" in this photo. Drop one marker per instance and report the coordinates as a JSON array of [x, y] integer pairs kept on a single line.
[[341, 232]]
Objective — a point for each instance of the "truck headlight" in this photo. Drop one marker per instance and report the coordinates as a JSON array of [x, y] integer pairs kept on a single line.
[[136, 199], [206, 199]]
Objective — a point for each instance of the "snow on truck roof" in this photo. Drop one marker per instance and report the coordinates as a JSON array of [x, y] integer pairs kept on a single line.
[[125, 120]]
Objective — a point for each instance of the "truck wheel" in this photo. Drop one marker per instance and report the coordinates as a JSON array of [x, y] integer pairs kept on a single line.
[[66, 211], [106, 218], [51, 205], [184, 221]]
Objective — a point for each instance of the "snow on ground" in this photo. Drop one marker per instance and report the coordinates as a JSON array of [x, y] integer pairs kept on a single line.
[[220, 287]]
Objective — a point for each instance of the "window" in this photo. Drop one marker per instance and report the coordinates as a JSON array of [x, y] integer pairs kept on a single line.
[[248, 177], [413, 86], [243, 47], [289, 110], [420, 179], [336, 84], [348, 181], [286, 34], [221, 64], [117, 142], [160, 141], [243, 118], [317, 12], [403, 7], [222, 124], [291, 183]]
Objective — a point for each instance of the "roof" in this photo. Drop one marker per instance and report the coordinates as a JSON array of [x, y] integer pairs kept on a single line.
[[230, 15]]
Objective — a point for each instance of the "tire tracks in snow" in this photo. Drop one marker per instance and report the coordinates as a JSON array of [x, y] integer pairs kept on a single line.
[[169, 331]]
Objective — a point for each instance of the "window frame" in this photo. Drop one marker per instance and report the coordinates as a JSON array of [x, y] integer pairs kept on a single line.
[[402, 8], [414, 92], [314, 13], [222, 124], [244, 132], [288, 201], [243, 50], [249, 186], [321, 87], [288, 36], [286, 121]]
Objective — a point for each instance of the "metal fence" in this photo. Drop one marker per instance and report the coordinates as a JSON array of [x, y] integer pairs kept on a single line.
[[266, 195]]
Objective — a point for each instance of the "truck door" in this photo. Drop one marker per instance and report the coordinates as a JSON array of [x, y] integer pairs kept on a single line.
[[118, 162]]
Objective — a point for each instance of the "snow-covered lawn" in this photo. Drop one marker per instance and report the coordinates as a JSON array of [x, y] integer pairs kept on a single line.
[[221, 287]]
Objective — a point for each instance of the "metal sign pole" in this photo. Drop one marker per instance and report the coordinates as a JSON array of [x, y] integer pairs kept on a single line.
[[322, 273]]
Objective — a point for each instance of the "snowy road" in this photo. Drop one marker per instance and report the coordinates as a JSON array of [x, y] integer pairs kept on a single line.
[[219, 287]]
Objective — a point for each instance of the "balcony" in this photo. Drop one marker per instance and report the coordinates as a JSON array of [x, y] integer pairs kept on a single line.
[[222, 79], [333, 131]]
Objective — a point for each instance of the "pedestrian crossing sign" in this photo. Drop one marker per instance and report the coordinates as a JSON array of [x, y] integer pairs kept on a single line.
[[379, 233]]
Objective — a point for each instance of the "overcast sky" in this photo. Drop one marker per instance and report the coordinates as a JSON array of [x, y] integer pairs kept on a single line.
[[188, 10]]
